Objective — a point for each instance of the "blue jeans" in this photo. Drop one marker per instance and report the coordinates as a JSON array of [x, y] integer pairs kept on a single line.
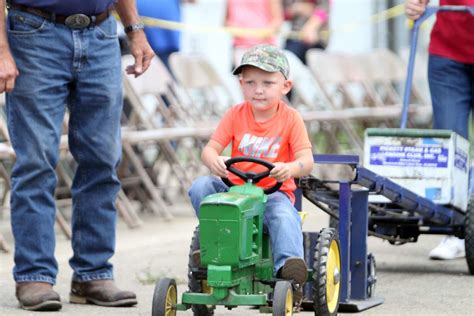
[[79, 69], [452, 93], [280, 217]]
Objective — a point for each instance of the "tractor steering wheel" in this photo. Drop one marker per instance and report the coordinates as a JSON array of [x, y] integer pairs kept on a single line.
[[254, 177]]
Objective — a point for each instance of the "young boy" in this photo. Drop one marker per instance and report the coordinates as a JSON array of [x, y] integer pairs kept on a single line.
[[264, 127]]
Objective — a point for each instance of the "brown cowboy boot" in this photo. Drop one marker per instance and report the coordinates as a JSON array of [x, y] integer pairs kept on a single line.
[[101, 292], [37, 296]]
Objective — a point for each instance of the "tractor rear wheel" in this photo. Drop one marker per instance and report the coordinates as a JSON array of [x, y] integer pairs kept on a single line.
[[469, 235], [327, 273], [195, 285], [165, 298]]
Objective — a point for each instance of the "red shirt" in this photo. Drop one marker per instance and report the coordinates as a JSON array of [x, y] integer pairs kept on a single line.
[[453, 33], [275, 140]]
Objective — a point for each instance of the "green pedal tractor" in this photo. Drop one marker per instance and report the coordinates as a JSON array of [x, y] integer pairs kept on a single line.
[[230, 259]]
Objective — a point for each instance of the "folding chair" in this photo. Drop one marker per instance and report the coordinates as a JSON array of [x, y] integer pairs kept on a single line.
[[7, 156], [348, 84], [387, 74], [159, 163], [310, 99], [207, 93]]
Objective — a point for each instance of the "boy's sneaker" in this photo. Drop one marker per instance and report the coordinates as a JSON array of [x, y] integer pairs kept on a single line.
[[295, 269], [450, 247]]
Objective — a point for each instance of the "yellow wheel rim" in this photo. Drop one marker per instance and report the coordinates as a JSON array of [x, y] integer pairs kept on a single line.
[[333, 277], [289, 303], [171, 299]]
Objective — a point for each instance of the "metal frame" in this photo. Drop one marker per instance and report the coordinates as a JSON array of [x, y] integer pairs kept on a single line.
[[352, 201]]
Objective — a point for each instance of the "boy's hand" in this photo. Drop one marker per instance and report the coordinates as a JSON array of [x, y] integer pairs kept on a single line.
[[281, 172], [218, 167]]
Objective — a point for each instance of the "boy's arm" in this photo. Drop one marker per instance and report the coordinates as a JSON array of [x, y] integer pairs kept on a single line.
[[213, 160], [303, 163], [301, 166]]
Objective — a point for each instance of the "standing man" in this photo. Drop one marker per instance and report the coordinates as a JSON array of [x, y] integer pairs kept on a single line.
[[451, 81], [55, 54]]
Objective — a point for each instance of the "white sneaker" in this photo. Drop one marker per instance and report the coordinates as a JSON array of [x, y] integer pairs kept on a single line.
[[450, 247]]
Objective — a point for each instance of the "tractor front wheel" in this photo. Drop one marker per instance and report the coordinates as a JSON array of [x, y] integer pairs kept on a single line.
[[165, 298], [283, 299], [327, 273]]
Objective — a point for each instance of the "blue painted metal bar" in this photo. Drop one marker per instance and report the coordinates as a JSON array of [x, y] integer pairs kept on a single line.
[[345, 238], [359, 233], [411, 61], [336, 159], [298, 200], [437, 213]]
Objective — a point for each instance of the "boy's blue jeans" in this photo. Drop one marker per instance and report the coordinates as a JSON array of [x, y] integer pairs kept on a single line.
[[80, 68], [280, 217], [452, 93]]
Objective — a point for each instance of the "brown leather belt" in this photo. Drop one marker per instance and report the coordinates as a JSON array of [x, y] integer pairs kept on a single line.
[[74, 21]]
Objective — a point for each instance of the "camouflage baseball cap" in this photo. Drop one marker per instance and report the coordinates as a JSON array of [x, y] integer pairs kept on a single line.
[[266, 57]]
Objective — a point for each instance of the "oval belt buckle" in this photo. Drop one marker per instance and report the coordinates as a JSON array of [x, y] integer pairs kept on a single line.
[[78, 21]]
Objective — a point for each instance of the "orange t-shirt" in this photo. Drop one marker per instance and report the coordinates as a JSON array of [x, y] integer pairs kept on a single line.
[[275, 140]]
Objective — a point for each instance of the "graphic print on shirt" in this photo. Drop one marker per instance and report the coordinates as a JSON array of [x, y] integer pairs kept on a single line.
[[260, 147]]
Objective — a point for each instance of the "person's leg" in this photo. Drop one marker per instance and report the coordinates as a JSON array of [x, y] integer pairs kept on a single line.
[[451, 88], [284, 226], [451, 94], [94, 140], [471, 171], [204, 186], [35, 110]]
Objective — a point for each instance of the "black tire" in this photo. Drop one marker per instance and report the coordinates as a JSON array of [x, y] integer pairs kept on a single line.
[[469, 235], [283, 299], [326, 275], [195, 285], [165, 298], [309, 244]]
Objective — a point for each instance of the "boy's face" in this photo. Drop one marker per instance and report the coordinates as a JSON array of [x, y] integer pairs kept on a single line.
[[263, 89]]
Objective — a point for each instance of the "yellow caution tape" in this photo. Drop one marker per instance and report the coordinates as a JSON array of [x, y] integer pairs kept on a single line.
[[236, 31], [266, 32]]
